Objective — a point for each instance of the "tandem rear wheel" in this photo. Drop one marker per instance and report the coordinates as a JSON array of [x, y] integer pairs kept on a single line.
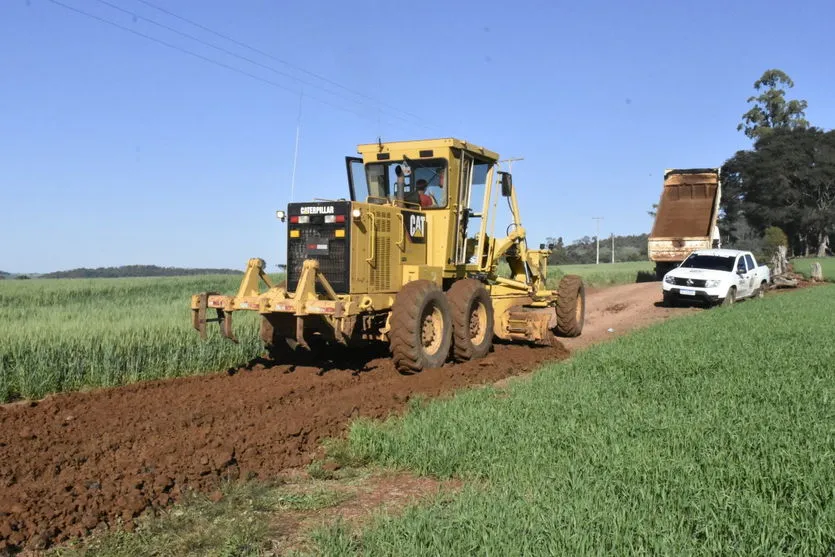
[[472, 319], [421, 327], [571, 306]]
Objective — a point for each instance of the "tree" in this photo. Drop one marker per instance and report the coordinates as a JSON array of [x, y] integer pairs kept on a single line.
[[788, 181], [771, 110]]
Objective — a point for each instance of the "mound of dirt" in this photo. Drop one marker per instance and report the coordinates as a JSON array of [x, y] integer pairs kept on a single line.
[[72, 462]]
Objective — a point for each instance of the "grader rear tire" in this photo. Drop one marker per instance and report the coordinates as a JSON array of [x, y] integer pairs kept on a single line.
[[571, 306], [472, 319], [421, 327]]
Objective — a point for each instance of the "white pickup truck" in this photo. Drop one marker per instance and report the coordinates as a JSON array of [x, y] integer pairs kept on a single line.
[[716, 276]]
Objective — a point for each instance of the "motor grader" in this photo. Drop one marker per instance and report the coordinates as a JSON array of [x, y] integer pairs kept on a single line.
[[410, 259]]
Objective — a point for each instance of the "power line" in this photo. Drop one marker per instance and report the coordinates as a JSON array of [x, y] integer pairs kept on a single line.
[[224, 50], [272, 57], [204, 58]]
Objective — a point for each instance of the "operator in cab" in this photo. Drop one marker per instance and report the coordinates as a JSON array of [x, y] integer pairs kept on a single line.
[[426, 199]]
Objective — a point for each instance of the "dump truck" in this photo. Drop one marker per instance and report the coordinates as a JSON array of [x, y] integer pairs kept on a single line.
[[409, 258], [685, 219]]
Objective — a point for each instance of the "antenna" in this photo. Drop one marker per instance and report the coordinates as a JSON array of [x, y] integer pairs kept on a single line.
[[296, 150]]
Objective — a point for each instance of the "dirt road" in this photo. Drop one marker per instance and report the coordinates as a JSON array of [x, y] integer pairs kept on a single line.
[[73, 461]]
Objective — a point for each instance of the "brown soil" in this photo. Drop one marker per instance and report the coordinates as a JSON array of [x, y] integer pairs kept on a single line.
[[73, 461]]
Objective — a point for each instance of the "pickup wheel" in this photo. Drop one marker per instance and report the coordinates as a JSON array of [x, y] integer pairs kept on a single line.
[[730, 297], [669, 301], [760, 293]]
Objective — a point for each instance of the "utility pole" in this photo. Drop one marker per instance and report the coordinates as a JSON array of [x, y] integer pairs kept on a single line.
[[613, 247], [597, 238]]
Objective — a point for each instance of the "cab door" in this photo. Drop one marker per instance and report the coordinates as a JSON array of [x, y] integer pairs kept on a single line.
[[743, 278], [357, 182], [464, 213]]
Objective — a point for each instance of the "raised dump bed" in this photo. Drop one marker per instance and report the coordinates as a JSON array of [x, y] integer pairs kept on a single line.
[[686, 217]]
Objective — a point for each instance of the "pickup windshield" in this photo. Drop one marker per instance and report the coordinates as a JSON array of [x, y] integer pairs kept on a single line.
[[712, 262]]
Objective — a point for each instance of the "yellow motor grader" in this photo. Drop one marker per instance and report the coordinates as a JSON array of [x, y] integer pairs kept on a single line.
[[411, 259]]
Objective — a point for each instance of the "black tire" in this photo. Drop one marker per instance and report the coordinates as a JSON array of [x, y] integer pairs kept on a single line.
[[760, 293], [669, 301], [421, 327], [662, 268], [472, 319], [571, 306], [730, 297]]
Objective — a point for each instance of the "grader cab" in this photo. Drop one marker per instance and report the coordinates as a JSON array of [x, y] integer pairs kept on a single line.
[[411, 259]]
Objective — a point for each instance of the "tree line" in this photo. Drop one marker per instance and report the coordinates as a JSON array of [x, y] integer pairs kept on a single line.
[[136, 271], [627, 248], [786, 180]]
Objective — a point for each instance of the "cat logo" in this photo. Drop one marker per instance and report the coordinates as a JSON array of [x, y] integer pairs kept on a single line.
[[415, 224]]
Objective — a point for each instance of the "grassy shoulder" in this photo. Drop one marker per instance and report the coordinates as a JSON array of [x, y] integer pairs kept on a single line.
[[711, 435], [803, 266]]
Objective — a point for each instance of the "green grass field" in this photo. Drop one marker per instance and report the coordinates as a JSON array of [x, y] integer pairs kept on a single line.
[[70, 334], [604, 274], [607, 274], [711, 435], [802, 265]]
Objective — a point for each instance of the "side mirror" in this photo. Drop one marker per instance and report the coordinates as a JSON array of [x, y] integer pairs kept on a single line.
[[507, 184]]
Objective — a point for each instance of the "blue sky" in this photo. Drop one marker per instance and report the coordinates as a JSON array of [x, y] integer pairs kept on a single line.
[[118, 150]]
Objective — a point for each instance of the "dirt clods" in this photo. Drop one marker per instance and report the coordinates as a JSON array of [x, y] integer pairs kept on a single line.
[[74, 461]]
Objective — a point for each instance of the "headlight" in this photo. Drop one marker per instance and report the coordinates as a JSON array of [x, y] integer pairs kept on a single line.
[[280, 215], [356, 213], [669, 279], [712, 283]]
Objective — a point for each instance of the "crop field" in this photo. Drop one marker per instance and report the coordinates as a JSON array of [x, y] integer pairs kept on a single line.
[[604, 274], [712, 435], [607, 274], [70, 334]]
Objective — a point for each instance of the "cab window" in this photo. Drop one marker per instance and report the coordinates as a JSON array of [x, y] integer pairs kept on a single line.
[[421, 183]]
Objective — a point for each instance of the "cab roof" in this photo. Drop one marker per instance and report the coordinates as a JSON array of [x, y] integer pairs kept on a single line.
[[401, 147]]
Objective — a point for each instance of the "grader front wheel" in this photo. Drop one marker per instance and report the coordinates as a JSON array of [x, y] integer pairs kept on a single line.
[[472, 318], [571, 306], [421, 327]]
